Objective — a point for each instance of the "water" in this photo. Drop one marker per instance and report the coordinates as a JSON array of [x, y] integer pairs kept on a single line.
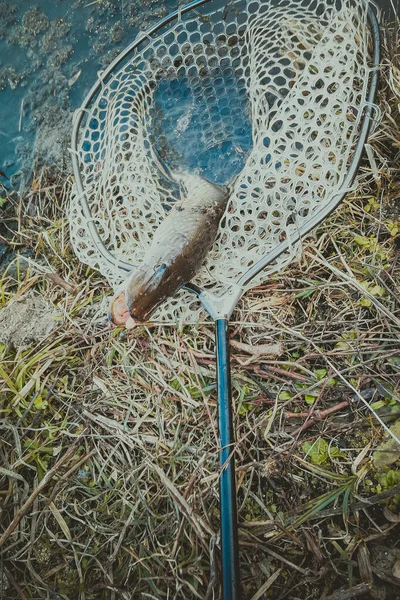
[[50, 53], [201, 127]]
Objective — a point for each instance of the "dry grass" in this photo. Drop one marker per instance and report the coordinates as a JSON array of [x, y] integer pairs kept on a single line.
[[109, 464]]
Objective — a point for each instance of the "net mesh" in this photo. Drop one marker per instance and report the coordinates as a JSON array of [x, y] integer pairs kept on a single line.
[[268, 96]]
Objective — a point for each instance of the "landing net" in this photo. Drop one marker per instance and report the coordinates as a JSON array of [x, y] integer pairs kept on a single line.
[[267, 96]]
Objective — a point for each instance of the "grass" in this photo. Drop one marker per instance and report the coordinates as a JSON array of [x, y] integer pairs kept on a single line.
[[109, 465]]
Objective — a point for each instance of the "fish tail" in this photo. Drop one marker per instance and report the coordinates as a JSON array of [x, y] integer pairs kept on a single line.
[[175, 176], [182, 177]]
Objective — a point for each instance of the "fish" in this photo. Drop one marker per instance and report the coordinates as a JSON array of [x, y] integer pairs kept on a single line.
[[176, 253]]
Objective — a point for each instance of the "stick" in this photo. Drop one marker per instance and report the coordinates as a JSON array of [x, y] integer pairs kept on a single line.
[[318, 414], [57, 280], [258, 351], [15, 584]]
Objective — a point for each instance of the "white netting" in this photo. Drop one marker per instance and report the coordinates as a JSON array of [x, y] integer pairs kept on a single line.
[[270, 92]]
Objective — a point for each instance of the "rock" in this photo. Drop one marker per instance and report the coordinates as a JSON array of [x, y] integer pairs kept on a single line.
[[90, 25], [109, 57], [52, 141], [10, 76], [60, 56], [9, 16], [34, 21], [26, 320], [117, 32], [385, 563], [4, 248], [56, 34], [13, 266]]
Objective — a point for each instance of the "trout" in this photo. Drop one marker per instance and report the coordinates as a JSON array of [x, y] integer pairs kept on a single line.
[[176, 253]]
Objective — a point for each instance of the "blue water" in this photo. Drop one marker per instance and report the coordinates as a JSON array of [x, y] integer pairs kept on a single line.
[[42, 52], [200, 127]]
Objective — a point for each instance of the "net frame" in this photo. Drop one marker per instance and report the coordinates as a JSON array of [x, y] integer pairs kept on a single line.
[[222, 305]]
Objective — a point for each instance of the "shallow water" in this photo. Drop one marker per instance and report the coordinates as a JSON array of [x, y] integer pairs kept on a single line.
[[50, 53], [201, 128]]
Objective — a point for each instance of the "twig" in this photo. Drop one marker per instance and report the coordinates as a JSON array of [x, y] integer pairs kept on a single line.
[[339, 374], [309, 419], [318, 414], [267, 371], [57, 280], [257, 351], [15, 584]]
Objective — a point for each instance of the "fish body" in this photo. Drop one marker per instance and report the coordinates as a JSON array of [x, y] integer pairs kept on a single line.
[[177, 251]]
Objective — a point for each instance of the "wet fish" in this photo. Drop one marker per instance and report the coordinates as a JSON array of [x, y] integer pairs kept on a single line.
[[176, 253]]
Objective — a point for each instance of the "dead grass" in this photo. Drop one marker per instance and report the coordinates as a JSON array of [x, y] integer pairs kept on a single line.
[[109, 464]]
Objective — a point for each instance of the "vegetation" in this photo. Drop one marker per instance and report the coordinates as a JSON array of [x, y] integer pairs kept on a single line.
[[109, 452]]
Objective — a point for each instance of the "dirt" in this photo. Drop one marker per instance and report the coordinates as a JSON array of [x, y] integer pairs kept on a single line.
[[51, 144], [26, 320]]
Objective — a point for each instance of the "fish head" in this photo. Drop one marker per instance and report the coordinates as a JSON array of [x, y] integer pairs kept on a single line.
[[118, 312], [143, 292], [146, 290]]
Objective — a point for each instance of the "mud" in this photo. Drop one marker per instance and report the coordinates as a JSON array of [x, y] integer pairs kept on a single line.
[[26, 320]]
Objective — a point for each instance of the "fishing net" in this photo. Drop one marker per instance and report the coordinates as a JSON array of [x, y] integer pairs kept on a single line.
[[268, 96]]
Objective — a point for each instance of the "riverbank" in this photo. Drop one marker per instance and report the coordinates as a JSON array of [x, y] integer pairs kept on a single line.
[[109, 487]]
